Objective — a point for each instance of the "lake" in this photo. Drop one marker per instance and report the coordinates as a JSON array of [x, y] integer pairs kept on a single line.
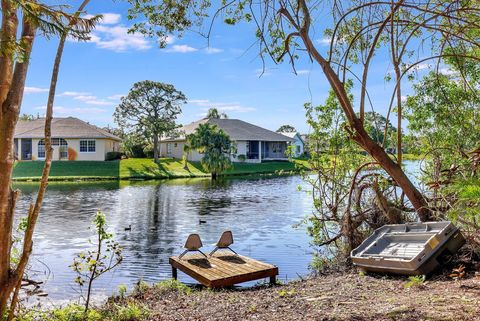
[[261, 213]]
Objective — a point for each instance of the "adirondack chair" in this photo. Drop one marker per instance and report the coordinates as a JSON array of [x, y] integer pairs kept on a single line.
[[224, 242], [193, 244]]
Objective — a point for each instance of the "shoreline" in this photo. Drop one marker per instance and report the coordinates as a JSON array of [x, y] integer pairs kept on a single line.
[[145, 169]]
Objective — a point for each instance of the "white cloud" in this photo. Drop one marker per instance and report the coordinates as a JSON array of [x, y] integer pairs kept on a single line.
[[84, 97], [212, 50], [323, 41], [117, 38], [87, 98], [220, 106], [107, 18], [73, 93], [447, 71], [303, 72], [73, 111], [181, 49], [116, 97], [35, 90], [111, 18]]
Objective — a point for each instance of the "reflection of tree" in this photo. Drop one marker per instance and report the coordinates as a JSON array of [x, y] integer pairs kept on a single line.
[[215, 196]]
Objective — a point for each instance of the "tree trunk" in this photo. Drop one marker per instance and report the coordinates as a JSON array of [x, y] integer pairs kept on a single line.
[[12, 81], [155, 148], [358, 132], [214, 175]]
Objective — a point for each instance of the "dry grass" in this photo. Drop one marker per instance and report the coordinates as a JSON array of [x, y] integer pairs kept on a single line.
[[334, 297]]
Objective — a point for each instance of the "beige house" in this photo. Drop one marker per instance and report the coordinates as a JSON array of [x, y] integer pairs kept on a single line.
[[72, 139], [254, 144]]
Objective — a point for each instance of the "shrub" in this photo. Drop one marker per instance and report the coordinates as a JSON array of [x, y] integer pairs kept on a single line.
[[173, 285], [242, 158], [113, 156], [132, 312]]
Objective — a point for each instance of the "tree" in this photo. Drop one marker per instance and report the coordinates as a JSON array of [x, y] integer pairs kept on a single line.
[[150, 108], [286, 129], [375, 125], [91, 264], [213, 113], [214, 144], [361, 31], [14, 60]]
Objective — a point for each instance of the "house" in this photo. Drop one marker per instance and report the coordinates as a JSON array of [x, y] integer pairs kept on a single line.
[[298, 143], [72, 139], [254, 144]]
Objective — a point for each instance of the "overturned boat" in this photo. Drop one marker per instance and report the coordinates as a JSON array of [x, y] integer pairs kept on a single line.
[[411, 249]]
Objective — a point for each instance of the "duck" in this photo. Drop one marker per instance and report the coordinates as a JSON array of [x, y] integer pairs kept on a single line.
[[201, 221], [129, 228]]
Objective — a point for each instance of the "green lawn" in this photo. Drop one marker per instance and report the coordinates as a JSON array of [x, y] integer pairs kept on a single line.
[[139, 168], [63, 170]]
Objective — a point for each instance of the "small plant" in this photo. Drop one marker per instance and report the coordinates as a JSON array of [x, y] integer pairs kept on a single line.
[[173, 285], [242, 158], [122, 290], [285, 293], [140, 288], [132, 312], [91, 264], [415, 281]]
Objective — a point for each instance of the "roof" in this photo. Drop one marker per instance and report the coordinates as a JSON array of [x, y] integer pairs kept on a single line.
[[293, 134], [236, 129], [69, 127]]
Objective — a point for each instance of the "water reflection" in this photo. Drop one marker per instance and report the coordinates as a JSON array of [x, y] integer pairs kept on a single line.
[[260, 212]]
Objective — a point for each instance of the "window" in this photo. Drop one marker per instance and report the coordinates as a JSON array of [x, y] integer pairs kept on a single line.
[[169, 148], [41, 149], [87, 146], [298, 149], [175, 145]]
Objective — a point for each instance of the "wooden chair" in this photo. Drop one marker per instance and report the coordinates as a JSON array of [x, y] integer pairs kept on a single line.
[[224, 242], [193, 244]]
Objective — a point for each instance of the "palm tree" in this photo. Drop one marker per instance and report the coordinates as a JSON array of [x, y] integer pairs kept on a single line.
[[214, 144], [213, 113]]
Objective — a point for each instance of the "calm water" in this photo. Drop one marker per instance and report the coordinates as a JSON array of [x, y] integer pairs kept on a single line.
[[260, 212]]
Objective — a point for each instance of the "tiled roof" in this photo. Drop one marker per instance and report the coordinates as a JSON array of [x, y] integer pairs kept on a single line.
[[69, 127], [236, 129]]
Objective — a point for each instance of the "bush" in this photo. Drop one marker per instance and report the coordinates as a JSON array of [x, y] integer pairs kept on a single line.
[[241, 158], [114, 156]]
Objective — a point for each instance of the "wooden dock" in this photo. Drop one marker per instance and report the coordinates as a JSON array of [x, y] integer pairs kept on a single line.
[[222, 269]]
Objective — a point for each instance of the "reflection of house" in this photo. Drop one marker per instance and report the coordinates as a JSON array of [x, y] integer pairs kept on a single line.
[[298, 143], [256, 144], [72, 139]]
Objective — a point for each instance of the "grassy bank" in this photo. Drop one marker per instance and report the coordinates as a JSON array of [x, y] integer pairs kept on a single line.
[[331, 297], [140, 168]]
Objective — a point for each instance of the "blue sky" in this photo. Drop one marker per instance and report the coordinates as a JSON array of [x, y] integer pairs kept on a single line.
[[225, 74]]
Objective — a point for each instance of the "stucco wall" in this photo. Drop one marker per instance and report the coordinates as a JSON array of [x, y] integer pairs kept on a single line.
[[102, 147]]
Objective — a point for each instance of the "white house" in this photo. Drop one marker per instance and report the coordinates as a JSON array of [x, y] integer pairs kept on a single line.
[[254, 144], [298, 142], [72, 139]]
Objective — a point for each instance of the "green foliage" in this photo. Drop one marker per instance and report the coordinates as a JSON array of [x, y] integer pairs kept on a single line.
[[213, 113], [75, 312], [105, 256], [242, 157], [133, 145], [285, 293], [334, 157], [375, 126], [150, 110], [172, 285], [132, 312], [140, 288], [122, 291], [286, 129], [415, 281], [215, 145], [113, 156]]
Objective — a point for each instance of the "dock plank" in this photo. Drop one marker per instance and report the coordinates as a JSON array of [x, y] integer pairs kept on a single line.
[[223, 269]]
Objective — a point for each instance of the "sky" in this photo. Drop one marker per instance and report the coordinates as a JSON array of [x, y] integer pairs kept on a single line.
[[224, 72]]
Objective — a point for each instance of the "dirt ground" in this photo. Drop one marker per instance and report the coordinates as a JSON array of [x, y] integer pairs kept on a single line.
[[347, 296]]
